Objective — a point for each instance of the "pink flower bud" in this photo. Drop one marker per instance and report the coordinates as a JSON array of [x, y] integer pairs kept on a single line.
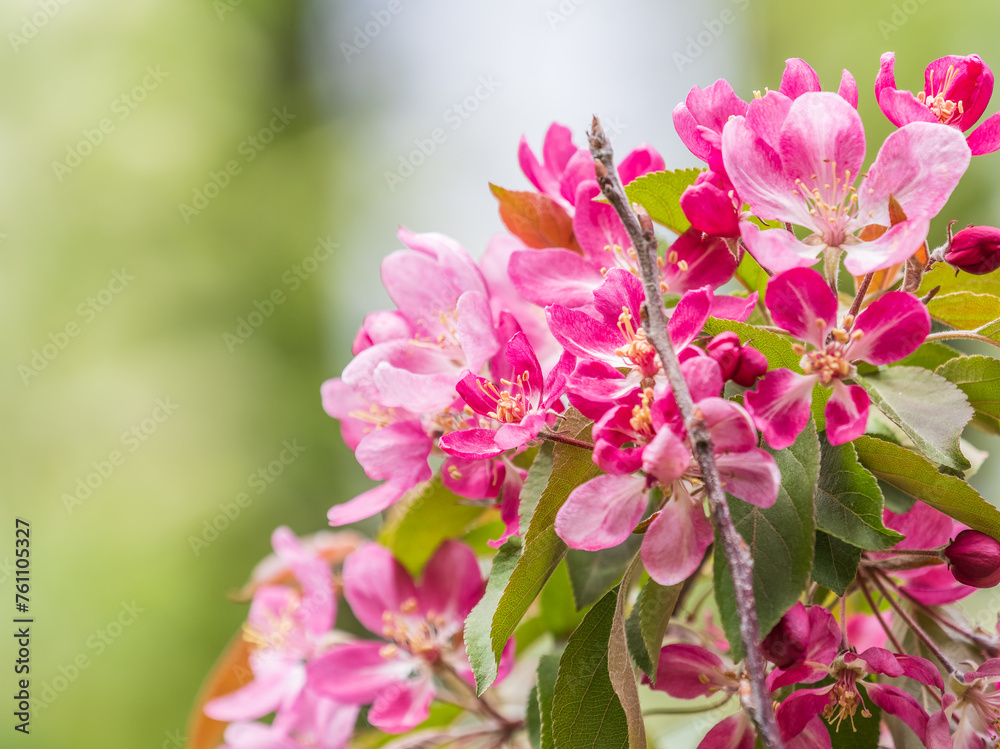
[[974, 559], [975, 250], [753, 364], [725, 349], [785, 645]]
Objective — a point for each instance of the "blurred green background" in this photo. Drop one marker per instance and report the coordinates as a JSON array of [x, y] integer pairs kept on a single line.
[[113, 204]]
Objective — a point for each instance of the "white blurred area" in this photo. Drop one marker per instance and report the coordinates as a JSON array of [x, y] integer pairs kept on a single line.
[[553, 61]]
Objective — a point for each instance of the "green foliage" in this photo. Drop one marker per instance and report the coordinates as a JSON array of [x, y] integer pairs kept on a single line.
[[932, 411], [559, 611], [930, 355], [863, 733], [836, 562], [593, 573], [848, 500], [647, 623], [548, 669], [660, 194], [964, 310], [950, 281], [979, 378], [586, 712], [916, 476], [422, 519], [780, 538], [522, 566]]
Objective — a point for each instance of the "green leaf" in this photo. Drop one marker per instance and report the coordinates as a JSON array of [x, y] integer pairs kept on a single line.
[[594, 573], [915, 475], [533, 719], [836, 563], [863, 733], [586, 712], [558, 610], [979, 378], [964, 310], [780, 538], [778, 351], [522, 566], [848, 501], [648, 622], [660, 194], [950, 280], [930, 355], [548, 668], [932, 411], [425, 516], [620, 667]]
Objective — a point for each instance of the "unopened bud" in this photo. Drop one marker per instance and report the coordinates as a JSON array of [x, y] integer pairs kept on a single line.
[[974, 559], [975, 250], [725, 349], [753, 364]]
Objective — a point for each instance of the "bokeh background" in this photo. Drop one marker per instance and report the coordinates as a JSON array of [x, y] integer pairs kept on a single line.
[[116, 116]]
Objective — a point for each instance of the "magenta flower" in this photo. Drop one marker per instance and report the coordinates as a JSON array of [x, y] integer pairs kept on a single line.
[[319, 723], [286, 628], [521, 403], [422, 625], [805, 637], [974, 559], [797, 162], [801, 302], [688, 672], [603, 512], [842, 699], [956, 92], [974, 249]]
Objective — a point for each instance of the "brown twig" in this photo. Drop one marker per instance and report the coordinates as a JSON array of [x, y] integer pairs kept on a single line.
[[757, 702], [860, 296]]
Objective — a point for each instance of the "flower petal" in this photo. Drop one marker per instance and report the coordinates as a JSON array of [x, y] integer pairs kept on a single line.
[[848, 89], [641, 160], [689, 317], [776, 249], [451, 583], [801, 302], [780, 405], [676, 540], [798, 78], [695, 260], [602, 512], [846, 413], [554, 276], [895, 701], [666, 457], [374, 583], [471, 444], [397, 710], [687, 672], [596, 226], [822, 139], [758, 175], [356, 672], [734, 732], [895, 246], [801, 707], [986, 138], [893, 327], [902, 108], [752, 476]]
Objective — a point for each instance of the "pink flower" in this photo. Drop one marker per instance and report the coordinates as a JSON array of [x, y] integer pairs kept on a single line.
[[521, 404], [977, 712], [956, 92], [804, 637], [286, 628], [603, 512], [797, 162], [801, 302], [841, 700], [688, 672], [422, 625]]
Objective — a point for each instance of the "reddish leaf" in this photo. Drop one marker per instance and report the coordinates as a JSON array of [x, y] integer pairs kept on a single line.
[[535, 219]]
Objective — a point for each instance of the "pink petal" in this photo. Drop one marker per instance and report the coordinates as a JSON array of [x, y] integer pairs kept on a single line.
[[711, 109], [381, 326], [823, 135], [689, 317], [970, 81], [752, 476], [703, 376], [524, 364], [319, 604], [554, 276], [558, 379], [706, 261], [263, 695], [710, 209], [895, 701], [511, 436], [881, 661], [375, 582], [356, 672], [596, 226], [642, 160], [339, 402], [799, 708], [689, 133], [473, 478], [734, 307], [416, 392], [452, 583], [369, 503], [801, 302], [864, 630], [579, 169], [734, 732], [799, 78], [759, 177], [474, 329], [781, 405], [620, 290], [919, 165], [687, 672], [902, 108], [676, 540], [602, 512], [846, 413], [398, 451], [471, 444], [583, 336], [777, 249], [813, 736], [475, 391], [893, 327], [848, 89], [766, 115], [886, 76], [986, 138], [557, 149], [892, 248], [729, 426], [403, 708], [666, 457]]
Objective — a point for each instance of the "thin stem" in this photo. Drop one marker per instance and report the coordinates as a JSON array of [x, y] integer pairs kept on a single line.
[[860, 296], [553, 437], [454, 682], [915, 552], [757, 700], [912, 623], [843, 621], [878, 614], [944, 335], [688, 710]]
